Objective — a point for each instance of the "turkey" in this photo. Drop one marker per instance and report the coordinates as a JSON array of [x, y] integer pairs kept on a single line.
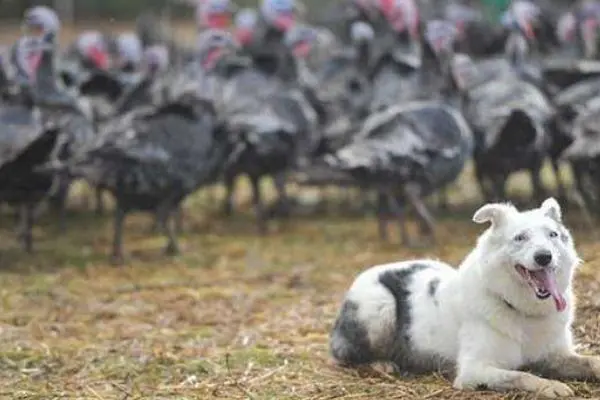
[[504, 75], [570, 103], [61, 110], [584, 154], [511, 120], [404, 154], [396, 64], [576, 30], [26, 143], [5, 74], [110, 96], [577, 58], [43, 124], [89, 53], [266, 47], [155, 31], [150, 161], [524, 41], [336, 89], [476, 36], [266, 120], [341, 98], [147, 155]]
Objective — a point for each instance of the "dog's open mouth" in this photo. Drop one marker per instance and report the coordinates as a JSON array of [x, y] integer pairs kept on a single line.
[[543, 282]]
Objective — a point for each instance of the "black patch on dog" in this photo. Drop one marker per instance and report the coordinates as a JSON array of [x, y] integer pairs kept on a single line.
[[349, 340], [481, 386], [398, 282], [432, 290]]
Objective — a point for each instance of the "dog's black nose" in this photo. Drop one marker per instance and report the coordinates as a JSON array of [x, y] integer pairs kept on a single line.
[[542, 258]]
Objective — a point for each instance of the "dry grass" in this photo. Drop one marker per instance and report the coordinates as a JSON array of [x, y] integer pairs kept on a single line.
[[234, 317]]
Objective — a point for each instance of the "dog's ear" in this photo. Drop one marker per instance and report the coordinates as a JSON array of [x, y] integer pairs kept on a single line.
[[496, 213], [551, 209]]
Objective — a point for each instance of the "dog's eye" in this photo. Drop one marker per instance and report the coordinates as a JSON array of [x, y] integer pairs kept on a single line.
[[553, 234], [521, 237]]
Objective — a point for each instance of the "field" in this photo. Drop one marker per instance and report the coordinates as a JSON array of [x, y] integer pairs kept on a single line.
[[236, 316]]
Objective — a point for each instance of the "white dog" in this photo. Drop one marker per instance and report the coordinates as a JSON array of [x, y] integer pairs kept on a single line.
[[508, 308]]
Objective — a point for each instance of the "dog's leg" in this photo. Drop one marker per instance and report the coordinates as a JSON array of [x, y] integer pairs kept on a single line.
[[498, 379], [569, 366], [485, 357]]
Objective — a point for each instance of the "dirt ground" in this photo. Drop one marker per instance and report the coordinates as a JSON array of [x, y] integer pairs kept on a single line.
[[235, 316]]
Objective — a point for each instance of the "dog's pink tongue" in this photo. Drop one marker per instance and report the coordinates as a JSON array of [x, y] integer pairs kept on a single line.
[[546, 279]]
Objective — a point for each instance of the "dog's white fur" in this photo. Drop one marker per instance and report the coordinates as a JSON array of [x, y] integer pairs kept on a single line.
[[485, 319]]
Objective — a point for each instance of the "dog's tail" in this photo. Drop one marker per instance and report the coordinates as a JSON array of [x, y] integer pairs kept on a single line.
[[349, 343]]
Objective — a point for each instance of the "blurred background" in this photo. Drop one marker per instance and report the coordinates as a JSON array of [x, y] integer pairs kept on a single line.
[[78, 11], [124, 10]]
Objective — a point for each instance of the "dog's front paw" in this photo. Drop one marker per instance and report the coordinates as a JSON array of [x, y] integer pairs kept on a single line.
[[553, 389]]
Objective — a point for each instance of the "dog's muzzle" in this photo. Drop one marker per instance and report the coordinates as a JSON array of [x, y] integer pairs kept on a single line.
[[543, 280]]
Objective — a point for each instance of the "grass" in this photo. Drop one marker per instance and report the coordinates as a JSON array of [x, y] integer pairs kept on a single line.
[[235, 316]]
